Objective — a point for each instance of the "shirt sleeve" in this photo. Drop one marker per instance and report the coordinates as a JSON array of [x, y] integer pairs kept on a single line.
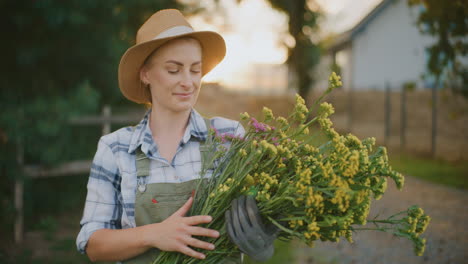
[[102, 207], [240, 130]]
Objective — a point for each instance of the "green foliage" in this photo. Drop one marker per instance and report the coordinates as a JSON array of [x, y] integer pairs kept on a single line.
[[409, 86], [303, 24], [60, 61], [437, 171], [284, 253], [447, 21], [49, 226]]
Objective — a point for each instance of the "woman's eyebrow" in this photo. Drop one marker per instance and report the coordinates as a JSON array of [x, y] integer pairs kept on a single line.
[[180, 63]]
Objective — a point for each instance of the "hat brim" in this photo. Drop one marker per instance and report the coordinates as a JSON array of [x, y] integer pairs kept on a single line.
[[213, 52]]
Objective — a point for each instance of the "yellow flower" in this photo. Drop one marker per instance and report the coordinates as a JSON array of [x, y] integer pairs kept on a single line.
[[249, 180], [242, 152], [334, 81], [305, 176], [299, 100], [325, 110], [352, 164], [420, 246], [300, 117], [312, 227], [300, 109], [223, 188], [305, 130], [415, 211], [282, 134], [325, 123], [292, 223], [422, 224], [244, 116], [254, 143], [282, 121], [267, 113], [281, 164]]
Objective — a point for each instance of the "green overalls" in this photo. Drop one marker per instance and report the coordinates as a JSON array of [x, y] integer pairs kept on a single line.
[[155, 202]]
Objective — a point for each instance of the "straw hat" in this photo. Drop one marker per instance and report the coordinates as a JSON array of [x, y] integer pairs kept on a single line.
[[161, 27]]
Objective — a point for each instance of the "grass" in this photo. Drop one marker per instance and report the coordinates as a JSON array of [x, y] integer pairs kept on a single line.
[[284, 253], [437, 171]]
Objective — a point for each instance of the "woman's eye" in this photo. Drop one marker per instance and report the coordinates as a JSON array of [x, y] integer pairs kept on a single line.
[[196, 71], [173, 71]]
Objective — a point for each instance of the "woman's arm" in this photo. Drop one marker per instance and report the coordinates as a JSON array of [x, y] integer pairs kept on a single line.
[[173, 234]]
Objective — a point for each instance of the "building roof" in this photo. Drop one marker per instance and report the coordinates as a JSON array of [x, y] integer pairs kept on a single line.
[[344, 38]]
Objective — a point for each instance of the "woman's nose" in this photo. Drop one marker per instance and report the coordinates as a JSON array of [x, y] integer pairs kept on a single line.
[[187, 80]]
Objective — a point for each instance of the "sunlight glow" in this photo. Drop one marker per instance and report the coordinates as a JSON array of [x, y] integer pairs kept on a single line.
[[256, 37], [249, 41]]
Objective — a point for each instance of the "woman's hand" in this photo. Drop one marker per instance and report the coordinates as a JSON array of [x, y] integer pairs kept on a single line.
[[175, 233]]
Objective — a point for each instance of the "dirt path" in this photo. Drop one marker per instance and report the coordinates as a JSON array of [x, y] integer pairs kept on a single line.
[[447, 234]]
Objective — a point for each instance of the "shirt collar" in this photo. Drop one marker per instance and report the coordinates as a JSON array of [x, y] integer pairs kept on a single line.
[[142, 136]]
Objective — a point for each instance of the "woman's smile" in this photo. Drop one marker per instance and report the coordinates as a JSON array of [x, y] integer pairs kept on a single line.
[[183, 96]]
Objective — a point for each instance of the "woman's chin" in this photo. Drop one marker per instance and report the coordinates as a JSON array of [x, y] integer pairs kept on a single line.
[[182, 106]]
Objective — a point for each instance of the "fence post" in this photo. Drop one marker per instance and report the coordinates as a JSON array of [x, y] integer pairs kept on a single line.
[[350, 110], [434, 118], [106, 114], [388, 109], [403, 119], [19, 190]]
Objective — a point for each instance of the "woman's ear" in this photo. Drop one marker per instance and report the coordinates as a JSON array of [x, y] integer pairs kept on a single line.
[[144, 75]]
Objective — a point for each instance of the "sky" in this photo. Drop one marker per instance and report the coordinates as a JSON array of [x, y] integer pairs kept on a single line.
[[256, 34]]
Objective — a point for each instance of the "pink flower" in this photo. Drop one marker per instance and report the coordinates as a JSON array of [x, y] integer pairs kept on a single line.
[[275, 141], [258, 125], [228, 137]]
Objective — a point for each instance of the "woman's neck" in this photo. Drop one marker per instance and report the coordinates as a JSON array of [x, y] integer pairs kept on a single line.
[[164, 123]]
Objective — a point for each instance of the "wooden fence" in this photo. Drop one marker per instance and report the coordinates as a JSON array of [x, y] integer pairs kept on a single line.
[[70, 168]]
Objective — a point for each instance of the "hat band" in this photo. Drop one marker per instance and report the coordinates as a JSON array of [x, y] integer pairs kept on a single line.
[[174, 31]]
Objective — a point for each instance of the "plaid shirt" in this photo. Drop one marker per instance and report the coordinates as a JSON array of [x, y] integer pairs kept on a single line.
[[110, 202]]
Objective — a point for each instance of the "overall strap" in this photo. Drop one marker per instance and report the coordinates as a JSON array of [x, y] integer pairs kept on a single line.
[[142, 163], [206, 153]]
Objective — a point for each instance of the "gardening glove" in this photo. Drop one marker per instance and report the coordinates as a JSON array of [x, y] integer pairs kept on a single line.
[[246, 230]]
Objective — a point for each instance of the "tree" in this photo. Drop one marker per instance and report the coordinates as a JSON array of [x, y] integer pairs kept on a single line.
[[305, 54], [59, 60], [448, 22], [303, 22]]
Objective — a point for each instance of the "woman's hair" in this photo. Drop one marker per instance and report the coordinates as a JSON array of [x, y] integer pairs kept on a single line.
[[147, 63]]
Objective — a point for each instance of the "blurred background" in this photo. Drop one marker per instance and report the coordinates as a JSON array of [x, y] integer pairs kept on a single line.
[[403, 63]]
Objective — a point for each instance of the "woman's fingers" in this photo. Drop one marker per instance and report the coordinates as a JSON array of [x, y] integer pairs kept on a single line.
[[197, 219], [192, 253], [185, 208], [196, 243], [200, 231]]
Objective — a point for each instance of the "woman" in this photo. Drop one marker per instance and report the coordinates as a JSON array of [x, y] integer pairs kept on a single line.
[[142, 176]]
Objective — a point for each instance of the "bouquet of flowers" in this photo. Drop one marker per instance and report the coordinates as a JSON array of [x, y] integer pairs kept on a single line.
[[309, 190]]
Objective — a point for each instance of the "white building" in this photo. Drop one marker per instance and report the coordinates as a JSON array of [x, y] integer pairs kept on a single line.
[[385, 47]]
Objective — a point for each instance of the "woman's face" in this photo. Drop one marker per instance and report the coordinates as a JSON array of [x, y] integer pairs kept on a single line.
[[174, 75]]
